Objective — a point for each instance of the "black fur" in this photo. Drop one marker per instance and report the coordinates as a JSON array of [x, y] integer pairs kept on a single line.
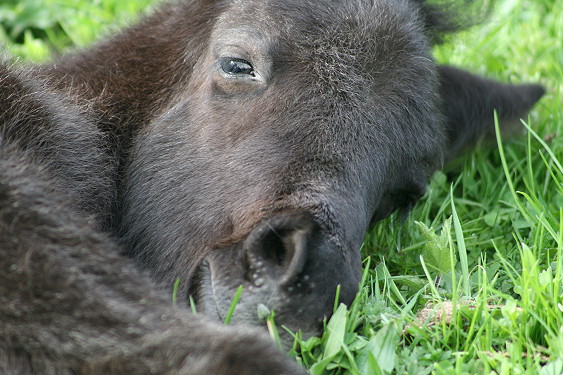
[[69, 302]]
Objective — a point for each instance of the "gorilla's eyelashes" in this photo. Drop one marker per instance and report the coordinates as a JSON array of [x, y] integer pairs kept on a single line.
[[234, 66], [237, 76]]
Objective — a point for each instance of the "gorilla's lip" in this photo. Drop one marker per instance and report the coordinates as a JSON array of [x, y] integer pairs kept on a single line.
[[202, 291]]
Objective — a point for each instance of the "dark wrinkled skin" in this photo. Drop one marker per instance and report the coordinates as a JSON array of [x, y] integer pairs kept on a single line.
[[265, 175]]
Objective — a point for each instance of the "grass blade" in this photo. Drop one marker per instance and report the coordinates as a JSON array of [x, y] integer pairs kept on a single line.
[[234, 303], [462, 251]]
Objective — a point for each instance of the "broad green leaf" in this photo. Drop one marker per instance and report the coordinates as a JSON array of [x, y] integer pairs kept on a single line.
[[553, 368], [372, 367], [319, 367], [436, 250], [382, 349], [336, 329]]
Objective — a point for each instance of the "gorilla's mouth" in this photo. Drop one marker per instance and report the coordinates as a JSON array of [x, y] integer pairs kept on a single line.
[[286, 265], [202, 292], [213, 291], [269, 263]]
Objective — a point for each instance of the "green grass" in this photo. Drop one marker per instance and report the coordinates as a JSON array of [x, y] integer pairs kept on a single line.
[[37, 29], [472, 281], [493, 275]]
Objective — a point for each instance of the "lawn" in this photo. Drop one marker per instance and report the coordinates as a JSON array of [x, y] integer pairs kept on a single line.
[[472, 281]]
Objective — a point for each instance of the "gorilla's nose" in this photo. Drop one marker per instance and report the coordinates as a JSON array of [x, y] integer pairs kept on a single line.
[[278, 248], [291, 253]]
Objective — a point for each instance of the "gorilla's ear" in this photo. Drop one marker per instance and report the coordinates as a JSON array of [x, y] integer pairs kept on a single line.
[[469, 102]]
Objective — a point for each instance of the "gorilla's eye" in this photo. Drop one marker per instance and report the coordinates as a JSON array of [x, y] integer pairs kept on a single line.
[[236, 66]]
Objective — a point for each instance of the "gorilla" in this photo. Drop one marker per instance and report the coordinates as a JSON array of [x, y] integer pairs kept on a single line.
[[219, 143]]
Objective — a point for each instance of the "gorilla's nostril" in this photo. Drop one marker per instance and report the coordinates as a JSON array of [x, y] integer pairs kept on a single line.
[[277, 249]]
